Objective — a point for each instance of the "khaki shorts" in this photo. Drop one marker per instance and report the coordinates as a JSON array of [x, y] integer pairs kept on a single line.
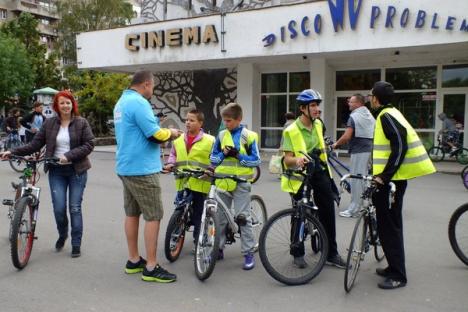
[[142, 195]]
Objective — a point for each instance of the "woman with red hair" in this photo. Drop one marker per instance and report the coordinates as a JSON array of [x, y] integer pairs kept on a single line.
[[68, 137]]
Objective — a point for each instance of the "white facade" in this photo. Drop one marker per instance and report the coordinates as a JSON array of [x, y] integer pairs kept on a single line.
[[405, 34]]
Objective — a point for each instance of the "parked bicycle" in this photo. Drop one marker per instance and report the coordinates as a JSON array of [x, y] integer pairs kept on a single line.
[[438, 152], [294, 228], [23, 211], [458, 232], [207, 245], [464, 177], [365, 232]]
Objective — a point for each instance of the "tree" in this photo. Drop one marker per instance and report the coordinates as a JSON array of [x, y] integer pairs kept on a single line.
[[15, 70], [98, 95], [87, 15], [45, 68]]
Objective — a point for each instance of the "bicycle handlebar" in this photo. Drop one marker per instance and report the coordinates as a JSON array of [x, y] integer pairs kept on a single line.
[[49, 160], [370, 178]]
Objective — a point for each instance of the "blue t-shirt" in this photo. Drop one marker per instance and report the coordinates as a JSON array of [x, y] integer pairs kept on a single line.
[[134, 123]]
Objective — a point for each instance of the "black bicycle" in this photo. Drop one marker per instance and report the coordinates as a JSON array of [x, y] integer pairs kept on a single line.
[[365, 231], [295, 228], [464, 176], [458, 232], [23, 211], [207, 246], [437, 152]]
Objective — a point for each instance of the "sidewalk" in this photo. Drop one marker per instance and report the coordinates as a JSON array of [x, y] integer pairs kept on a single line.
[[448, 167]]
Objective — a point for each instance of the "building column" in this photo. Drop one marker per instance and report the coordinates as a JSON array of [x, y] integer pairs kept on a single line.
[[247, 95], [321, 80]]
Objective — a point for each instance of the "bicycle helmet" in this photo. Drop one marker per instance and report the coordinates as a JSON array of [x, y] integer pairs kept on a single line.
[[308, 96]]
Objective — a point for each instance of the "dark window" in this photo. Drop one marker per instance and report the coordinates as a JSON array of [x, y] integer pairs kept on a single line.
[[412, 78], [274, 83], [455, 76], [418, 108], [356, 79], [299, 82], [273, 110]]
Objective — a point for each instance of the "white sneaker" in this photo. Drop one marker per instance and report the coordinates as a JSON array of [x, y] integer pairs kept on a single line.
[[347, 214]]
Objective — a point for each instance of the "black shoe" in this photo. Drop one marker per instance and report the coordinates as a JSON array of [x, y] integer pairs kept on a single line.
[[132, 268], [76, 251], [300, 262], [336, 261], [60, 243], [391, 284], [158, 275], [385, 272]]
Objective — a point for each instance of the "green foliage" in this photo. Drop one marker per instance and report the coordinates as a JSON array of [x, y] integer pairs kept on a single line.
[[15, 69], [98, 95]]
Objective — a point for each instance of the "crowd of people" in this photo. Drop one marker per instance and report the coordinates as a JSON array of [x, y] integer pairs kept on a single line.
[[385, 140]]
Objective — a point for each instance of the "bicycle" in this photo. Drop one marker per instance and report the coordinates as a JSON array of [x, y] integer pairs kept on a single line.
[[19, 165], [464, 176], [293, 228], [457, 232], [437, 152], [336, 164], [23, 211], [207, 245], [365, 232]]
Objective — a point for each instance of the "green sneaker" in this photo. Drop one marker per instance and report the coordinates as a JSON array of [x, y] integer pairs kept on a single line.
[[159, 275], [132, 268]]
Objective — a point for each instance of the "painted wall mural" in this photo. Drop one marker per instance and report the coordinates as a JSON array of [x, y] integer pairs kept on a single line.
[[176, 93]]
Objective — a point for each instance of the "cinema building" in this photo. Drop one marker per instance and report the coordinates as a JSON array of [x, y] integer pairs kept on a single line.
[[261, 54]]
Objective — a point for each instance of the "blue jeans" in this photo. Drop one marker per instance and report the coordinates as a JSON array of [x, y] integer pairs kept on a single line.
[[61, 179]]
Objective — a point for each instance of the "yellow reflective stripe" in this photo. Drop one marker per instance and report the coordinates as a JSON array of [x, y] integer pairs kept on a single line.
[[408, 160], [230, 163], [382, 147]]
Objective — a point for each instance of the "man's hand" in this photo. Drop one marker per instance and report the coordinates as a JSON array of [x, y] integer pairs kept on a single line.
[[175, 133], [301, 161], [334, 146], [167, 168], [5, 155], [378, 180]]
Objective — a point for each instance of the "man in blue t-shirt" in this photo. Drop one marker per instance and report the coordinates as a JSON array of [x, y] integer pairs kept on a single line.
[[138, 165]]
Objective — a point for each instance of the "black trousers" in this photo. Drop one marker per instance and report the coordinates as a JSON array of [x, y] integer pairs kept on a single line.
[[390, 227], [324, 199]]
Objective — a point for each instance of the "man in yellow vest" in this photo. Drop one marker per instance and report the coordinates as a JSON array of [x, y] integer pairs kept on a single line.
[[397, 155], [306, 135], [192, 151], [235, 152]]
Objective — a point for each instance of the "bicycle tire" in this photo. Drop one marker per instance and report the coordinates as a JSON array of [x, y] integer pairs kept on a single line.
[[22, 235], [256, 175], [459, 247], [259, 216], [465, 180], [378, 250], [175, 235], [17, 165], [356, 252], [205, 260], [268, 249], [462, 173], [436, 154], [462, 156]]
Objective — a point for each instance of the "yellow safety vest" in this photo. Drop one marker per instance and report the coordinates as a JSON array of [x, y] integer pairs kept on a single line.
[[292, 183], [231, 165], [416, 162], [197, 158]]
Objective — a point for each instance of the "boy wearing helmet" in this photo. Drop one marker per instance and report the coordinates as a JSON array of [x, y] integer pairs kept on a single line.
[[305, 135]]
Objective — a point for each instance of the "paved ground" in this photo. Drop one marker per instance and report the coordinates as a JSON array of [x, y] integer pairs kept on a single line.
[[52, 281]]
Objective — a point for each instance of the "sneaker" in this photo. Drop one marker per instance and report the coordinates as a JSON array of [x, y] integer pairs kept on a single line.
[[132, 268], [158, 274], [249, 261], [347, 214], [385, 272], [336, 261], [76, 251], [390, 283], [221, 254], [60, 243], [300, 262]]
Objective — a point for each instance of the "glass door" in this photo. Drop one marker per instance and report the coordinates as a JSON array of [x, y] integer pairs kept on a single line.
[[455, 106]]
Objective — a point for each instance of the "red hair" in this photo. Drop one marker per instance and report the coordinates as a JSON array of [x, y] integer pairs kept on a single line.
[[68, 95]]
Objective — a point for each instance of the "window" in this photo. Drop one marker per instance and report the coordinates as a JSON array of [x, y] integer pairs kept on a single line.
[[455, 76], [3, 14], [412, 78], [356, 79], [279, 92]]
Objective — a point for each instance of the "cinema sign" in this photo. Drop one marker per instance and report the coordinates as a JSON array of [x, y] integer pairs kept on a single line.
[[174, 37]]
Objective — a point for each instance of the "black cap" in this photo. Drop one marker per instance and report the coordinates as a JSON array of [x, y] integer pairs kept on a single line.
[[159, 115], [382, 89]]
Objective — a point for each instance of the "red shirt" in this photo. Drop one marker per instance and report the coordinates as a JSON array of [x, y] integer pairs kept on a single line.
[[190, 140]]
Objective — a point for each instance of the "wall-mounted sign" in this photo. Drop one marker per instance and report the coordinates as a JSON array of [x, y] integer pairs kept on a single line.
[[174, 37], [389, 17]]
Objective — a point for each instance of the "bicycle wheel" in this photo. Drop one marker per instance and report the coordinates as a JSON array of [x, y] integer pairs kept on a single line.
[[275, 247], [22, 235], [436, 154], [378, 250], [17, 164], [465, 180], [462, 156], [458, 232], [256, 175], [259, 216], [462, 174], [206, 249], [175, 236], [356, 251]]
